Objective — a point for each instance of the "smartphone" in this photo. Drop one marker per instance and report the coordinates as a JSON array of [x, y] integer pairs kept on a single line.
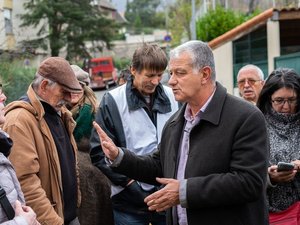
[[283, 166]]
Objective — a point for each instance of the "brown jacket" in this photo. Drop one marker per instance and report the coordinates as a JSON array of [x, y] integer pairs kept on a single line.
[[35, 157]]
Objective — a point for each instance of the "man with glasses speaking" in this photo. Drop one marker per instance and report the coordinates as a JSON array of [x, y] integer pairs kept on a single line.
[[44, 150], [250, 80]]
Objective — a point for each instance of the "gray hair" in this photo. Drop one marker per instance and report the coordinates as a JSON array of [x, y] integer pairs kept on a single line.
[[259, 72], [201, 55], [38, 80]]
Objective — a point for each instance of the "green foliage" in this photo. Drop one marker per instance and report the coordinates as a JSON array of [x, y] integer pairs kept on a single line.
[[159, 20], [143, 13], [219, 21], [119, 36], [122, 63], [138, 24], [179, 20], [15, 79], [68, 23]]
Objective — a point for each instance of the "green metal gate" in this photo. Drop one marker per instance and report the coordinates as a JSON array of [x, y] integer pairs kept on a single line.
[[288, 61]]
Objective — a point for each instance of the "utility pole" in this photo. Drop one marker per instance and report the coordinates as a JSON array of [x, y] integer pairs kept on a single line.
[[193, 22], [167, 16], [205, 7]]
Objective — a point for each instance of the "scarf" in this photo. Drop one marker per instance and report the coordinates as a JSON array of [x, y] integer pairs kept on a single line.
[[5, 143], [284, 136]]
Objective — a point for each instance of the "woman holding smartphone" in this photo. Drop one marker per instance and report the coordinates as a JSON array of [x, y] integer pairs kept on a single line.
[[279, 102]]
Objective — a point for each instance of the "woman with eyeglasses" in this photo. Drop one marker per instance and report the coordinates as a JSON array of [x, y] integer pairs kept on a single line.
[[279, 102], [9, 184]]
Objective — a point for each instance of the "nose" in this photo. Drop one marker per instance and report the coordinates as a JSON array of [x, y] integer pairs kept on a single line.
[[156, 80], [286, 104], [2, 98], [172, 81], [246, 83], [68, 97]]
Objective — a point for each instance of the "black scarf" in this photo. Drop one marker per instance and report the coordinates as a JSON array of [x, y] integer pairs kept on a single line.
[[5, 143]]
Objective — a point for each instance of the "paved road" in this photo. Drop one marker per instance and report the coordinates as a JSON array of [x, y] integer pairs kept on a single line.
[[99, 94]]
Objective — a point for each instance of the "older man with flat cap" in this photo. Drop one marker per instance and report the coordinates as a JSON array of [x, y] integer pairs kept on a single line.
[[44, 150]]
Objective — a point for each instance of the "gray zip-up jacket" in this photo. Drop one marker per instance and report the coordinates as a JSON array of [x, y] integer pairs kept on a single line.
[[11, 185]]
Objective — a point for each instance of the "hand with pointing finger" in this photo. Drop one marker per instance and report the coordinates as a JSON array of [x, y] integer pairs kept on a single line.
[[110, 150]]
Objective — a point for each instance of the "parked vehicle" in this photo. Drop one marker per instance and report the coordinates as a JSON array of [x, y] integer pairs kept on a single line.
[[102, 72]]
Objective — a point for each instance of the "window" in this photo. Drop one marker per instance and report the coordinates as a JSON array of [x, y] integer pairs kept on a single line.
[[251, 48], [8, 21]]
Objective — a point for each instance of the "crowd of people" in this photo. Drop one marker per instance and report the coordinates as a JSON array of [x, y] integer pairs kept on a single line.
[[188, 153]]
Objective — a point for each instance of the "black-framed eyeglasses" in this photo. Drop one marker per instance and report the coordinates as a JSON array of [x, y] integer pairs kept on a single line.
[[1, 89], [250, 82], [282, 101]]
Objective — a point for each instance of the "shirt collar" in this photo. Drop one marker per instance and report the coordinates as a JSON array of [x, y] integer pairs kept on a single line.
[[188, 113]]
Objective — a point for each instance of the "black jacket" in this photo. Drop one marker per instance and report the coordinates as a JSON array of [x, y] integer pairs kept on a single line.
[[226, 167]]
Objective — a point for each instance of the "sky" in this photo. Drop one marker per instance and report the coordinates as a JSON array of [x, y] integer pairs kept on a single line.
[[120, 5]]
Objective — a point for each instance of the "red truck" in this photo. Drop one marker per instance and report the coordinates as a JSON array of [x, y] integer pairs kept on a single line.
[[102, 72]]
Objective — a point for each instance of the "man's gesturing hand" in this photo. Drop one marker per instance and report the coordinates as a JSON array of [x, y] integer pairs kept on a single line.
[[110, 150], [166, 197]]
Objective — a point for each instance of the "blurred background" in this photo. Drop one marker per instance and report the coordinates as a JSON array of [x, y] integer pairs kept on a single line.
[[262, 32]]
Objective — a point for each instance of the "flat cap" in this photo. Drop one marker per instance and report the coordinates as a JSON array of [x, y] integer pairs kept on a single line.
[[59, 70], [81, 75]]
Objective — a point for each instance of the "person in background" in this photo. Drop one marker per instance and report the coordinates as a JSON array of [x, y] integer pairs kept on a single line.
[[279, 101], [212, 158], [24, 215], [96, 207], [250, 80], [44, 153], [134, 115], [125, 75]]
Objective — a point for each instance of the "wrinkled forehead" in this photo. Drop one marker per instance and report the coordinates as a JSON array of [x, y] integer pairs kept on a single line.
[[249, 73]]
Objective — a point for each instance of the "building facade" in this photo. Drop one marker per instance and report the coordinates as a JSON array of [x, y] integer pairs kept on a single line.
[[268, 40]]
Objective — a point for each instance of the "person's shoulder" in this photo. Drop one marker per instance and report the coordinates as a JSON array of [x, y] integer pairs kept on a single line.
[[20, 114], [240, 108], [86, 107], [117, 89], [3, 161], [6, 169], [107, 99], [19, 108], [240, 104]]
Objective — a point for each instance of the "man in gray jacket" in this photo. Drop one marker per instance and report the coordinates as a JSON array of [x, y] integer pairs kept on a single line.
[[212, 159]]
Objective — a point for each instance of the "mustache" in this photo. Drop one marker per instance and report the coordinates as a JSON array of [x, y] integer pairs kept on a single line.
[[62, 103]]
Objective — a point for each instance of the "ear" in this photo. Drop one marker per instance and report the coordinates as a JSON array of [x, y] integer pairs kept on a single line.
[[133, 71], [206, 74], [43, 86]]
